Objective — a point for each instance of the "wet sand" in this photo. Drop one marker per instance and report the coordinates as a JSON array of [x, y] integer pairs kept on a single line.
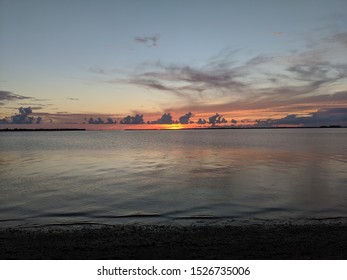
[[312, 241]]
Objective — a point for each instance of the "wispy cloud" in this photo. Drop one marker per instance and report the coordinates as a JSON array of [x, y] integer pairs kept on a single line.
[[184, 80], [97, 70], [340, 38], [309, 80], [10, 96], [149, 41], [263, 81]]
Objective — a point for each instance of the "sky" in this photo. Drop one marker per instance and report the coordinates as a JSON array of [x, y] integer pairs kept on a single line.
[[225, 62]]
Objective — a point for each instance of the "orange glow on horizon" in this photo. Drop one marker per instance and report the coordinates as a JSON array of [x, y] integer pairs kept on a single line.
[[173, 126]]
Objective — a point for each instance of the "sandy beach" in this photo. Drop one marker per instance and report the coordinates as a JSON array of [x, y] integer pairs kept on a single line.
[[284, 241]]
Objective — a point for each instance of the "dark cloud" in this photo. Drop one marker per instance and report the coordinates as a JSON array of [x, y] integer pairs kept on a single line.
[[9, 96], [4, 120], [38, 120], [67, 117], [201, 121], [24, 117], [73, 99], [110, 121], [322, 117], [100, 120], [149, 41], [96, 121], [165, 119], [217, 118], [185, 119], [137, 119]]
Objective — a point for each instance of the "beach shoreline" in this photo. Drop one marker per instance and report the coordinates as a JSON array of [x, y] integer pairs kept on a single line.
[[318, 240]]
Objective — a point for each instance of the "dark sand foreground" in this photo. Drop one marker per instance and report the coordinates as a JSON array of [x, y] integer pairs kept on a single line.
[[314, 241]]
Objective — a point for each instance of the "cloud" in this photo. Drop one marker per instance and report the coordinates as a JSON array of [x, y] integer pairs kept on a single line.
[[9, 96], [38, 120], [185, 119], [24, 117], [73, 99], [258, 60], [272, 100], [228, 81], [150, 83], [96, 121], [340, 38], [201, 121], [149, 41], [66, 117], [36, 107], [137, 119], [97, 70], [322, 117], [217, 118], [165, 119], [233, 80], [278, 33], [100, 120], [186, 80], [318, 73], [306, 73]]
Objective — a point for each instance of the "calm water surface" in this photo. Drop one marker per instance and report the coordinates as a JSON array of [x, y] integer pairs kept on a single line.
[[172, 176]]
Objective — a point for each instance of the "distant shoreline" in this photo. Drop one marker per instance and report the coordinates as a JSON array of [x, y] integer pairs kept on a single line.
[[42, 129], [252, 127]]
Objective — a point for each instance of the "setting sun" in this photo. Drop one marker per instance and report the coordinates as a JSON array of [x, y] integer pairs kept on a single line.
[[174, 126]]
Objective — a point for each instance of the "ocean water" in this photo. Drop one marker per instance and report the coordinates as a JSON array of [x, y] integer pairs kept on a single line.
[[172, 177]]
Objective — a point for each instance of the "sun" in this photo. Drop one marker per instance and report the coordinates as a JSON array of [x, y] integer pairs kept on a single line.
[[175, 126]]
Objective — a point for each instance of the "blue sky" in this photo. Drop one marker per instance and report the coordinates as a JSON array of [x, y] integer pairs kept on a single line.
[[243, 59]]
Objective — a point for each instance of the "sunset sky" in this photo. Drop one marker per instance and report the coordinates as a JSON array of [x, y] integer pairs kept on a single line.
[[262, 63]]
